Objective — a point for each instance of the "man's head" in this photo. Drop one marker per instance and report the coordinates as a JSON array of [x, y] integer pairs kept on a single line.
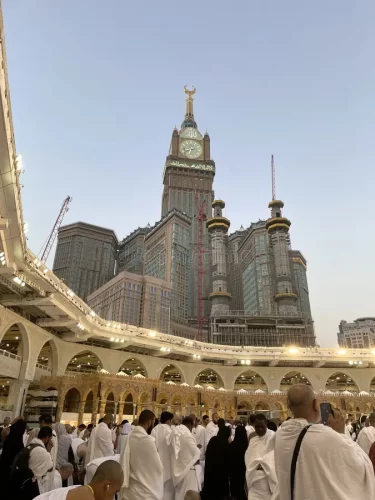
[[90, 427], [66, 470], [303, 403], [372, 419], [81, 427], [6, 421], [194, 419], [166, 418], [252, 420], [45, 420], [45, 434], [215, 418], [188, 422], [197, 421], [69, 428], [177, 420], [231, 420], [363, 419], [205, 420], [107, 480], [108, 419], [147, 420], [260, 424]]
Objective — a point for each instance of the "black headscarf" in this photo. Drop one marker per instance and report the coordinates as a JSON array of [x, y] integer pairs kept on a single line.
[[13, 443]]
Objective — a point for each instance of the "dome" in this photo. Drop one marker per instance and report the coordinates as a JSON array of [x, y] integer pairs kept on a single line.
[[189, 122]]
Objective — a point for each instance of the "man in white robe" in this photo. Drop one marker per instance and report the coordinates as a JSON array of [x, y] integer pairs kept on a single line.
[[140, 461], [93, 466], [163, 435], [262, 444], [367, 435], [199, 434], [212, 428], [40, 461], [45, 420], [65, 472], [329, 465], [104, 486], [100, 442], [186, 473]]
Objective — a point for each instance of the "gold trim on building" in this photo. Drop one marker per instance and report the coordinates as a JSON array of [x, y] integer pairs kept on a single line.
[[299, 261], [219, 294], [285, 295], [278, 226], [276, 203], [218, 202]]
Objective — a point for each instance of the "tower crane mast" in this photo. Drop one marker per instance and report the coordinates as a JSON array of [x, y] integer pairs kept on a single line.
[[46, 249]]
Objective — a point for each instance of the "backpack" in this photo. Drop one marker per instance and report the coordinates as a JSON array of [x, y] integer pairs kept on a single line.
[[21, 460]]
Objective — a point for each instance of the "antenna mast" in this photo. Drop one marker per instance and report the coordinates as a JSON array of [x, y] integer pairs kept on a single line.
[[273, 179], [51, 238]]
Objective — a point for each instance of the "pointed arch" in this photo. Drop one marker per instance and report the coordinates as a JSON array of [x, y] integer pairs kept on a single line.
[[72, 400], [110, 404], [171, 373], [250, 380], [209, 377], [84, 361], [340, 381], [15, 339], [133, 366], [293, 377], [48, 356], [89, 402]]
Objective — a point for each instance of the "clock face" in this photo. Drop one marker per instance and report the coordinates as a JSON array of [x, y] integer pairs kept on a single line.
[[191, 149]]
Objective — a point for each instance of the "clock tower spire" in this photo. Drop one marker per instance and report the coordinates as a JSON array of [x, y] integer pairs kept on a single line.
[[189, 115]]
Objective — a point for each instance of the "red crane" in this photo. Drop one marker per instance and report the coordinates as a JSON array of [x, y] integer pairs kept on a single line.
[[45, 251], [201, 218]]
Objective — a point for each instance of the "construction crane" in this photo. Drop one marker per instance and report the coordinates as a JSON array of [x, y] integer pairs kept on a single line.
[[45, 251], [201, 217]]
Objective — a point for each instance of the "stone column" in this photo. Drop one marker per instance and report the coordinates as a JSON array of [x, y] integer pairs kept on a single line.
[[17, 396], [60, 407], [134, 410], [102, 408], [94, 414], [120, 412], [81, 409]]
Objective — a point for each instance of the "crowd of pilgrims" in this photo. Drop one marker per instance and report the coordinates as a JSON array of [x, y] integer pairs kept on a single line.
[[191, 458]]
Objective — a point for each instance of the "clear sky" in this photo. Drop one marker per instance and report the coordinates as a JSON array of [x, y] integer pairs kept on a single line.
[[97, 87]]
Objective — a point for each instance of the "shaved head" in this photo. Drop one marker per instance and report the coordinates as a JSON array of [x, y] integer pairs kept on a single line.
[[108, 419], [110, 471], [302, 402]]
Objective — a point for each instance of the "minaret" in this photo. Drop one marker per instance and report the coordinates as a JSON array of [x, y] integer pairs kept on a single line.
[[278, 230], [218, 229]]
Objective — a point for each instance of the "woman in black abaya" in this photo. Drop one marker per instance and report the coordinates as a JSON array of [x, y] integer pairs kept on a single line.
[[216, 471]]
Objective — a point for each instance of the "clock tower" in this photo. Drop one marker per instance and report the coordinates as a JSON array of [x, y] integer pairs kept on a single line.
[[188, 178]]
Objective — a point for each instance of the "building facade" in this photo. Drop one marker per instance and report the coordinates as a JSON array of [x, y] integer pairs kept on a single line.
[[360, 334], [85, 257], [131, 251], [188, 187], [133, 299], [168, 258]]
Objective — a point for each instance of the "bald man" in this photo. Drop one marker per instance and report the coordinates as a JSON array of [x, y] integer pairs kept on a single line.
[[105, 484], [329, 464], [367, 435], [101, 443]]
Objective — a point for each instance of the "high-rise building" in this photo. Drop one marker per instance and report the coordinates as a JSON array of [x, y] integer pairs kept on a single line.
[[131, 251], [234, 269], [188, 177], [134, 299], [168, 257], [276, 306], [85, 257], [357, 335]]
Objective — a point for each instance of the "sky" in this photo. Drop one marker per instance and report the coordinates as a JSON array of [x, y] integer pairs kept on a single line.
[[97, 88]]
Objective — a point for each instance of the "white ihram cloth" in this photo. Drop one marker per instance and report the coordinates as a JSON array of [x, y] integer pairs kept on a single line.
[[163, 436], [40, 462], [261, 483], [57, 480], [92, 466], [143, 470], [249, 430], [199, 432], [75, 443], [125, 431], [211, 430], [185, 454], [100, 443], [366, 438], [330, 465], [53, 452], [257, 480], [59, 494]]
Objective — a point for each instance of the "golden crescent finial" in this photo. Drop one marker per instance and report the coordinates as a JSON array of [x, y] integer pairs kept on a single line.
[[190, 92]]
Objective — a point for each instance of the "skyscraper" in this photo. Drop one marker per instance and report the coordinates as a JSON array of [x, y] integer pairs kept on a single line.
[[85, 257], [188, 177]]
